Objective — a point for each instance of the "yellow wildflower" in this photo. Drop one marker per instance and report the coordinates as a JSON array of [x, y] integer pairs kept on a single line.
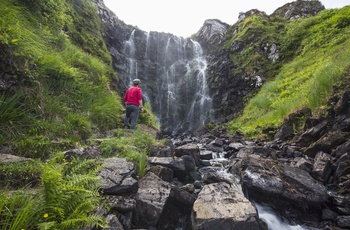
[[46, 215]]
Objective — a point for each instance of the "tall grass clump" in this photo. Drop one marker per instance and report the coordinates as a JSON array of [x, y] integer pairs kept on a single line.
[[18, 210], [11, 113], [148, 118], [322, 85], [142, 164]]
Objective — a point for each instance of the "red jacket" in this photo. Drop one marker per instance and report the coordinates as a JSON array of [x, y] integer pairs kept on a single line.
[[133, 95]]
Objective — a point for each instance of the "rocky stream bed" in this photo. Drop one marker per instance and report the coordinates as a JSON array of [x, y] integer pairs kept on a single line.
[[212, 180]]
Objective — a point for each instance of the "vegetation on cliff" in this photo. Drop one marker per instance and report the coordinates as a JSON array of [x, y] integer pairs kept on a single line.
[[56, 76], [55, 95], [315, 57]]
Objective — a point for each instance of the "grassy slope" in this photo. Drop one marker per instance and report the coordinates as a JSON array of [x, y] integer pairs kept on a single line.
[[57, 71], [316, 54], [54, 54]]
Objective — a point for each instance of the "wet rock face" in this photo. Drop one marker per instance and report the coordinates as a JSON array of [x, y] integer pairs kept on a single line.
[[166, 65], [172, 71]]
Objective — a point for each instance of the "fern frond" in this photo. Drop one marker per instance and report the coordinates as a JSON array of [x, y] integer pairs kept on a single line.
[[85, 181], [70, 194], [46, 225], [85, 166]]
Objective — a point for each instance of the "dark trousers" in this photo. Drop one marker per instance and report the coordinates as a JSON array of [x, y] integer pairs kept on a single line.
[[132, 112]]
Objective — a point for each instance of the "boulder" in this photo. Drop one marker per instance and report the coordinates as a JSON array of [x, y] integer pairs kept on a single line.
[[118, 177], [174, 163], [188, 149], [343, 221], [341, 166], [220, 206], [164, 173], [312, 134], [114, 223], [285, 188], [151, 198], [10, 159]]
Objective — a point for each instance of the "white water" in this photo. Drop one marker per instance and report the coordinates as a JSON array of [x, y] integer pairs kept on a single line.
[[129, 50], [202, 100], [177, 86], [273, 221]]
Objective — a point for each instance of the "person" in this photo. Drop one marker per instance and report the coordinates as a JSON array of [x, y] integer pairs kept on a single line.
[[133, 103]]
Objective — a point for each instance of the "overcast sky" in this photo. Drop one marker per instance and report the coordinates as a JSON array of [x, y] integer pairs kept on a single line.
[[186, 17]]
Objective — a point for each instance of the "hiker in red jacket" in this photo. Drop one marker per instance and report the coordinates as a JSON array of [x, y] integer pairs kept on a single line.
[[133, 102]]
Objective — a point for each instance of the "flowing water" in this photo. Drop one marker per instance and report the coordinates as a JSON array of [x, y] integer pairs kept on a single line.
[[273, 221], [173, 78], [265, 213], [130, 51]]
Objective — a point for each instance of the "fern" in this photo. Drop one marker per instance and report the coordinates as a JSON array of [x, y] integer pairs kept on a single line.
[[70, 198]]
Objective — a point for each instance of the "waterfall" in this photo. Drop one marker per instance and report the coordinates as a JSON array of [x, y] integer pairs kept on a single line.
[[202, 101], [130, 51], [173, 78]]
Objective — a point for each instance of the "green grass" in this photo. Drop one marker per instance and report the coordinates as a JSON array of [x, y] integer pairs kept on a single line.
[[135, 147], [148, 118], [64, 81], [19, 175], [306, 80], [256, 32], [18, 210]]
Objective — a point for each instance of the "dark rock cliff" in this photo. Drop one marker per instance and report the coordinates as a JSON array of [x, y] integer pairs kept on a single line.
[[189, 84]]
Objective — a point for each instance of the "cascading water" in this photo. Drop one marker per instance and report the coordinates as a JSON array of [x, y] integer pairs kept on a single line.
[[274, 222], [129, 50], [197, 68], [173, 78]]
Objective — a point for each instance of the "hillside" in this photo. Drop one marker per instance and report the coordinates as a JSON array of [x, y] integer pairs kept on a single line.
[[314, 57], [55, 73]]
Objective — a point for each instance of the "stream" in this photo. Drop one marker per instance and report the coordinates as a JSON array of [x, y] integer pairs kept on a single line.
[[271, 218], [273, 221]]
